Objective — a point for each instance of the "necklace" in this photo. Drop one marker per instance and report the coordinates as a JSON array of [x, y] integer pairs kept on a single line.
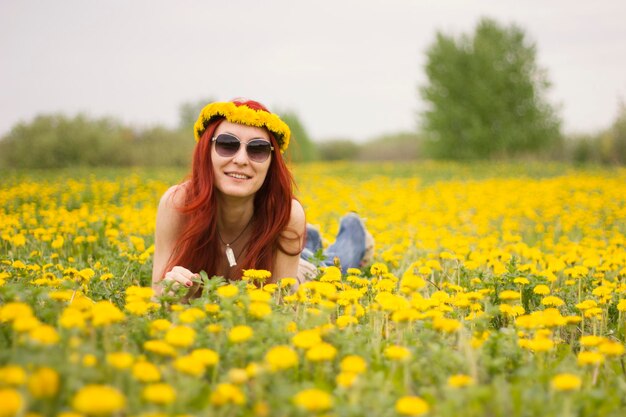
[[230, 254]]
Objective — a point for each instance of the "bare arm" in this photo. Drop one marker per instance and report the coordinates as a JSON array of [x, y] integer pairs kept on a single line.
[[286, 265], [169, 224]]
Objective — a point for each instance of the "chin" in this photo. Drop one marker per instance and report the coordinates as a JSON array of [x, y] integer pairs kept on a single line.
[[237, 191]]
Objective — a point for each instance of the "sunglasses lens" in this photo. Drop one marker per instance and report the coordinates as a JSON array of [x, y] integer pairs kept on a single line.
[[259, 150], [226, 145]]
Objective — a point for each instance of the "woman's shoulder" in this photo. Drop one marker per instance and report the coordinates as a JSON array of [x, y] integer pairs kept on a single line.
[[175, 196], [297, 217]]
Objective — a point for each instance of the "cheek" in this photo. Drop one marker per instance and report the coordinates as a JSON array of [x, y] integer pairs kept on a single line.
[[265, 172]]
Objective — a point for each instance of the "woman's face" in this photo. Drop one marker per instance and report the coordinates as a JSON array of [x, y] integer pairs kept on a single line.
[[238, 175]]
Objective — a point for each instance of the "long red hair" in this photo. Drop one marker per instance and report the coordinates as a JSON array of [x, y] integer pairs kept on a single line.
[[198, 245]]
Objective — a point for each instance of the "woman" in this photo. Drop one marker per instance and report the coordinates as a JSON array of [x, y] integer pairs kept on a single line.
[[237, 210]]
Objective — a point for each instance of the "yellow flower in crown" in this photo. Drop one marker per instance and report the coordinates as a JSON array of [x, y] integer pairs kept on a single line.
[[244, 112]]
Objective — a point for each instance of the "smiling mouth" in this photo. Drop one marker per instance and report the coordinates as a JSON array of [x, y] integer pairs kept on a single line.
[[237, 176]]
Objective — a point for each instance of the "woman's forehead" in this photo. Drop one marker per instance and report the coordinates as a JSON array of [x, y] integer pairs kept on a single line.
[[243, 132]]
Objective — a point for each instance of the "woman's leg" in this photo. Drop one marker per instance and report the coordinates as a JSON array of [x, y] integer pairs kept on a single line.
[[313, 243], [349, 246]]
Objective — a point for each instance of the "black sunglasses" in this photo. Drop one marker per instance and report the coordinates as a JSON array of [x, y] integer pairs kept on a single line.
[[228, 145]]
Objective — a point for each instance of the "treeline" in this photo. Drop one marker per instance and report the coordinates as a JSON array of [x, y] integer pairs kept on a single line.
[[57, 141]]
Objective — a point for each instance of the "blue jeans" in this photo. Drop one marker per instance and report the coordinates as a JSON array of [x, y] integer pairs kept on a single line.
[[349, 245]]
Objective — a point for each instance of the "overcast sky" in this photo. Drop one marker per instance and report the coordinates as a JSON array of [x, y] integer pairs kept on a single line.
[[349, 69]]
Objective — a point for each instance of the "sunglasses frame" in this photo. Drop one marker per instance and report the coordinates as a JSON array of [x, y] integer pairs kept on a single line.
[[214, 139]]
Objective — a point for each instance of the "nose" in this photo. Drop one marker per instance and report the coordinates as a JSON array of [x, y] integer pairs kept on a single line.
[[241, 157]]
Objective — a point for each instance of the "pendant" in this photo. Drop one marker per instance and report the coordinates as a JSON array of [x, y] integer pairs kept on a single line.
[[230, 255]]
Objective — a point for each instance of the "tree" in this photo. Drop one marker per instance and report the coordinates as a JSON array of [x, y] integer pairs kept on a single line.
[[188, 113], [486, 96], [301, 147], [618, 136]]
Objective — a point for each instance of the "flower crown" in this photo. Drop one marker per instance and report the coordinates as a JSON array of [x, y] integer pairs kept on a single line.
[[242, 114]]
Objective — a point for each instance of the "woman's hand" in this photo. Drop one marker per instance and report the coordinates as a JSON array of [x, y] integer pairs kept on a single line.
[[179, 276]]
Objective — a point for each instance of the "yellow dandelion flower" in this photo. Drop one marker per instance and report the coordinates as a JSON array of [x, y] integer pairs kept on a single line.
[[590, 358], [25, 324], [281, 357], [566, 382], [89, 360], [313, 400], [259, 310], [208, 357], [253, 369], [460, 381], [104, 313], [321, 352], [379, 269], [239, 334], [226, 393], [610, 348], [146, 372], [411, 405], [12, 402], [331, 274], [98, 400], [397, 353], [159, 347], [139, 308], [190, 365], [120, 360], [12, 375], [159, 325], [227, 291], [508, 295], [259, 275], [72, 318], [44, 383], [11, 311], [214, 328], [540, 344], [306, 339], [353, 364], [346, 379], [212, 309], [552, 301], [541, 289], [261, 296], [591, 340], [180, 336], [344, 321], [287, 282], [446, 325], [44, 335], [159, 393]]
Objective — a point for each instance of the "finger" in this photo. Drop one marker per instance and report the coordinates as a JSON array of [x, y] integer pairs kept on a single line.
[[178, 278], [184, 272]]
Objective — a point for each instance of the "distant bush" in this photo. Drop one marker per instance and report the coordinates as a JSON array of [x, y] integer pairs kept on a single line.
[[607, 146], [338, 149], [54, 141], [405, 146], [159, 146]]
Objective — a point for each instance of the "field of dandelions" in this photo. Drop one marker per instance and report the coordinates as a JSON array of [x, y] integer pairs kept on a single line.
[[495, 290]]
